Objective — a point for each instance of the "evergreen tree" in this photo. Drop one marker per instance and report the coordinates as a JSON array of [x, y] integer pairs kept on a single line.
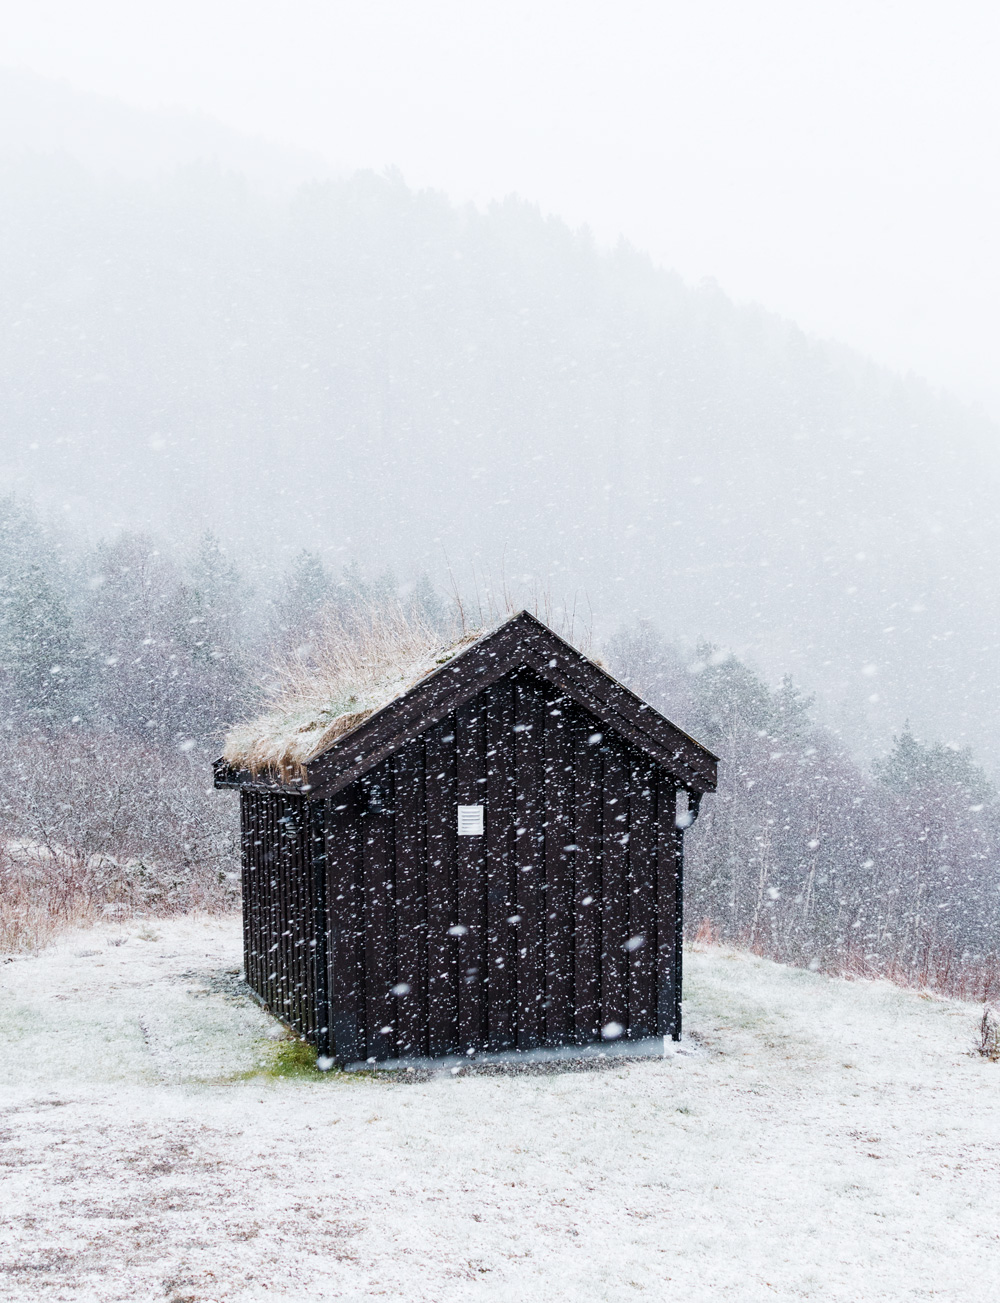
[[307, 590], [39, 652], [218, 600], [792, 711], [428, 604], [912, 767], [359, 592], [220, 589], [39, 661], [731, 697]]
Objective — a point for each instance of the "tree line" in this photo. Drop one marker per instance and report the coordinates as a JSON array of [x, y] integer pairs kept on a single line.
[[805, 855], [125, 638], [122, 665]]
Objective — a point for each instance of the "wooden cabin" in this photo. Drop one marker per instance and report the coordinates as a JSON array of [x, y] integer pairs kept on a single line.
[[490, 862]]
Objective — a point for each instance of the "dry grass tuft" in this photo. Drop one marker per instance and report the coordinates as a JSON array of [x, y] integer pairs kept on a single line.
[[988, 1045], [933, 967], [321, 692], [101, 826], [44, 890]]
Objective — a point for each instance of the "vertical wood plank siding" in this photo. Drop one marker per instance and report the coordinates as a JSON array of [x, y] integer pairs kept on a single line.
[[587, 882], [528, 933], [411, 899], [470, 877], [376, 932], [378, 893], [558, 828], [346, 925], [641, 954], [614, 888], [282, 899], [500, 816], [441, 973], [668, 911]]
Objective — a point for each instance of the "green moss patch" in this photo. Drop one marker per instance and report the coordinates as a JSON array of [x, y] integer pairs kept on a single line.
[[294, 1058]]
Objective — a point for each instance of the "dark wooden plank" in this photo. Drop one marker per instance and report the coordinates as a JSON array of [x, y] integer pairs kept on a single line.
[[641, 955], [587, 881], [248, 881], [614, 878], [668, 889], [442, 958], [529, 861], [380, 913], [690, 803], [261, 894], [287, 884], [265, 826], [285, 957], [501, 971], [291, 878], [268, 886], [409, 812], [345, 915], [296, 879], [272, 873], [470, 875], [249, 838], [559, 828], [304, 931], [320, 939], [281, 955]]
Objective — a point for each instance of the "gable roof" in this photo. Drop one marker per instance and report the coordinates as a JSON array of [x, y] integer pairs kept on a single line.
[[522, 642]]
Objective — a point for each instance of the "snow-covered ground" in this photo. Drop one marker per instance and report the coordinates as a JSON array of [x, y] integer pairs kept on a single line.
[[820, 1140]]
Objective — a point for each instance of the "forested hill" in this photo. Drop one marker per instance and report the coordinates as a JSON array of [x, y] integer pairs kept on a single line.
[[377, 374]]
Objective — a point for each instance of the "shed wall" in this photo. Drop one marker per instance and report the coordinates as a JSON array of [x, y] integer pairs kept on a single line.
[[283, 908], [559, 922]]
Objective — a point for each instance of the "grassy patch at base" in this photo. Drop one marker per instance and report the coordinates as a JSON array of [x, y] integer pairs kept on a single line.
[[294, 1058], [288, 1058]]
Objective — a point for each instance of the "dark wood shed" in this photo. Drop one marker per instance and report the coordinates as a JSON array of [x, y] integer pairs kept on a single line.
[[491, 862]]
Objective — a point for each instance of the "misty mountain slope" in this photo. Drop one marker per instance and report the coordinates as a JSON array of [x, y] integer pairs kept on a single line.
[[378, 374], [42, 116]]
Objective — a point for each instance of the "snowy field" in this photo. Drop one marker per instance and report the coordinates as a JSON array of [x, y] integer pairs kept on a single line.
[[817, 1140]]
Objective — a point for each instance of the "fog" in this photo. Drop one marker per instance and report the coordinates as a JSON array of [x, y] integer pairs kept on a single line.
[[217, 321], [832, 161]]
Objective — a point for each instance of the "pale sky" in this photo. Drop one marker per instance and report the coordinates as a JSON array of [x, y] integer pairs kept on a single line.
[[834, 161]]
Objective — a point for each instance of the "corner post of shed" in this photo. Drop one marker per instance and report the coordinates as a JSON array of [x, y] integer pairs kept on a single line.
[[670, 905], [682, 822]]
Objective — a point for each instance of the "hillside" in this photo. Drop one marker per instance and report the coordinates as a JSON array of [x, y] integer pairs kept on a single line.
[[39, 116], [379, 375], [811, 1138]]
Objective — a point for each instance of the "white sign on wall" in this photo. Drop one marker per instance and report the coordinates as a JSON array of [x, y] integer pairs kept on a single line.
[[470, 821]]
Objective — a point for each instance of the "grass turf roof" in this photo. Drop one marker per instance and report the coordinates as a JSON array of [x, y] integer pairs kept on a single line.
[[318, 702]]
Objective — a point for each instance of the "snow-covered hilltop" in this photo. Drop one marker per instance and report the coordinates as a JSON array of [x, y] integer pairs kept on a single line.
[[812, 1138]]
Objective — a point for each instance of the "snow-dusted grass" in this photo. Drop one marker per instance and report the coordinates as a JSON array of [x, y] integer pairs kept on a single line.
[[822, 1139], [325, 690]]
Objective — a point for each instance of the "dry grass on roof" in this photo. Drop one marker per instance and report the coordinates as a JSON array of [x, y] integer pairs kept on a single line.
[[321, 692]]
